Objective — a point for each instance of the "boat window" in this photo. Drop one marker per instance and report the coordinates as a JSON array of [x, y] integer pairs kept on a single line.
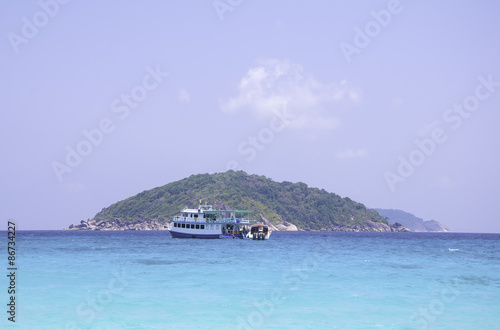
[[183, 225], [202, 226], [192, 226], [175, 224], [197, 226]]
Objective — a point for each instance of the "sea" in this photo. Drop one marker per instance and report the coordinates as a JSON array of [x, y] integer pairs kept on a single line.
[[295, 280]]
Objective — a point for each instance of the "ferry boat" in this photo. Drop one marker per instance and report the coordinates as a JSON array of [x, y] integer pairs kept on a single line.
[[205, 222]]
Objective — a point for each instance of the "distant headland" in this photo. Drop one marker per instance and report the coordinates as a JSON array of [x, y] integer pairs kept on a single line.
[[412, 222]]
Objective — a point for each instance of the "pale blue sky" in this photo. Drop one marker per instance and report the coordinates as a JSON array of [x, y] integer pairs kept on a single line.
[[272, 70]]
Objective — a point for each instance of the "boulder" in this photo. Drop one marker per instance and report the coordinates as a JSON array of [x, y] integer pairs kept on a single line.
[[397, 227], [286, 226], [267, 222]]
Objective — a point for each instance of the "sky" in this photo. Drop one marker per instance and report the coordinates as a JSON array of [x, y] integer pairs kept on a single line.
[[393, 104]]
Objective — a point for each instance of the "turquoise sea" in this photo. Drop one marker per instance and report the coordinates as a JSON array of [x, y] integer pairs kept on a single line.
[[296, 280]]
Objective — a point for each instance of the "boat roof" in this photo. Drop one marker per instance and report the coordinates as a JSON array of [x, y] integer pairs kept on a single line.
[[207, 209], [226, 211]]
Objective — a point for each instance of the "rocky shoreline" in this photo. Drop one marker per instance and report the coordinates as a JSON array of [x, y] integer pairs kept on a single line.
[[117, 224], [371, 227], [382, 228]]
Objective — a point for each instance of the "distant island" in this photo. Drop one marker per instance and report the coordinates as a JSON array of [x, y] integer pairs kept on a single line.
[[412, 222], [282, 205]]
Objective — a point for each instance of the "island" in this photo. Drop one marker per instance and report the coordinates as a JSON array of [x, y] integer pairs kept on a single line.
[[284, 206]]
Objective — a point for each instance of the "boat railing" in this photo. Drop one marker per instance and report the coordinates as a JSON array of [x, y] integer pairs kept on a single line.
[[234, 220], [219, 220]]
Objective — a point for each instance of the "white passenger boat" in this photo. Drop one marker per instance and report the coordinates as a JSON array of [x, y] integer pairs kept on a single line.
[[205, 222]]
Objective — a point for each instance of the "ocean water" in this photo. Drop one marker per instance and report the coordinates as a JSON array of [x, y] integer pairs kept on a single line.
[[296, 280]]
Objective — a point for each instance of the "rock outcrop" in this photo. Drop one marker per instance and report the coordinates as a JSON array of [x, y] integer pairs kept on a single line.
[[397, 227], [117, 224], [286, 226], [371, 227], [267, 222]]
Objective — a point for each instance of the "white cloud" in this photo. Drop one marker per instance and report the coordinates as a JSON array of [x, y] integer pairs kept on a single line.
[[184, 96], [350, 154], [275, 84]]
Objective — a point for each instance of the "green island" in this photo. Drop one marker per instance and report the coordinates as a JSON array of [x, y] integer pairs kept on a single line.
[[282, 205]]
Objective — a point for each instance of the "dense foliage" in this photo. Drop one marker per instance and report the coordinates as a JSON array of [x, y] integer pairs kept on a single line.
[[307, 208]]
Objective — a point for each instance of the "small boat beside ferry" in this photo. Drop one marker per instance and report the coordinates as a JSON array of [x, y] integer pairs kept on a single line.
[[259, 231], [205, 222]]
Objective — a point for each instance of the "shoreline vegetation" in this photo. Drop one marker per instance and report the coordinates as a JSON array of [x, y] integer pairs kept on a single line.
[[284, 206]]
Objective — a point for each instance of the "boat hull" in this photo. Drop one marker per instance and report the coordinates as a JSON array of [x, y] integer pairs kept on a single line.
[[235, 236], [176, 234], [259, 236]]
